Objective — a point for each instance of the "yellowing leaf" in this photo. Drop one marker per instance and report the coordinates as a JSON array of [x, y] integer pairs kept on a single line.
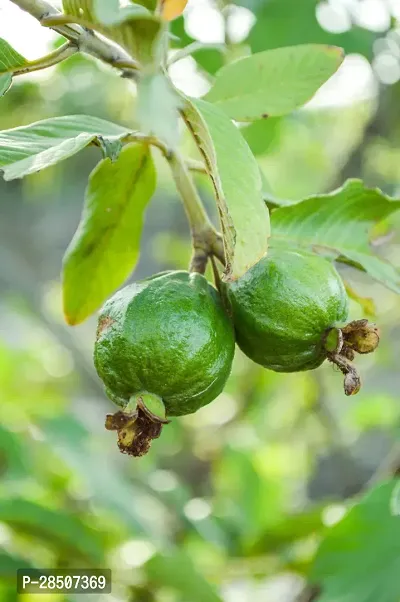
[[171, 9]]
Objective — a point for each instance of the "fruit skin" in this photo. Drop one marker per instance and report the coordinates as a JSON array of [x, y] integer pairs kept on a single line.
[[168, 335], [282, 307]]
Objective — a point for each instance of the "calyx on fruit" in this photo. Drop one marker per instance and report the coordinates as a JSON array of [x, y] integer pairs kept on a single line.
[[342, 344], [137, 425], [289, 312], [164, 348]]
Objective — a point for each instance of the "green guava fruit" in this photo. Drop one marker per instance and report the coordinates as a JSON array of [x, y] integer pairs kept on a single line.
[[284, 307], [164, 348]]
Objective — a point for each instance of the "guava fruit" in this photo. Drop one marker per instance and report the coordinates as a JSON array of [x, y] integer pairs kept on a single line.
[[288, 311], [164, 348]]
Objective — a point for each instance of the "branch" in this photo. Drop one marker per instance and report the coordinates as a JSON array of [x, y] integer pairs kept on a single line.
[[85, 40], [206, 240]]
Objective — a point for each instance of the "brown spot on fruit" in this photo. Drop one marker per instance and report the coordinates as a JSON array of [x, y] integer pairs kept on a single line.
[[104, 323]]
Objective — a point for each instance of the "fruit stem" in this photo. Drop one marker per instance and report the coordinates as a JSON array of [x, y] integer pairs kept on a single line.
[[351, 382], [205, 239]]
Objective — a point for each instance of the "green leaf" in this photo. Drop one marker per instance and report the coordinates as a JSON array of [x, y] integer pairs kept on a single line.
[[157, 108], [237, 183], [340, 224], [137, 31], [10, 59], [106, 245], [5, 83], [274, 82], [263, 136], [53, 526], [359, 559], [30, 148], [175, 569], [110, 13]]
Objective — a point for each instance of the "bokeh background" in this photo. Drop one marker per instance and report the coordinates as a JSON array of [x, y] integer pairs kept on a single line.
[[231, 503]]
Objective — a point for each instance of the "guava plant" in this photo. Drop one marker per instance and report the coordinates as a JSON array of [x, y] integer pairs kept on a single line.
[[165, 345]]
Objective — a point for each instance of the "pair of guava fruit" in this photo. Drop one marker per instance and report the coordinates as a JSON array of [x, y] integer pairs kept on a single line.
[[165, 345]]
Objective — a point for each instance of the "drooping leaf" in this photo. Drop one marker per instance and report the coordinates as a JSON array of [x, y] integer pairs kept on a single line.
[[5, 83], [174, 569], [30, 148], [157, 108], [138, 32], [105, 247], [171, 9], [274, 82], [53, 526], [359, 559], [340, 223], [237, 183], [10, 59]]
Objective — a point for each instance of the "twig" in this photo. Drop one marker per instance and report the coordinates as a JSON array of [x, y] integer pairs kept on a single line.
[[191, 49], [205, 239], [86, 41]]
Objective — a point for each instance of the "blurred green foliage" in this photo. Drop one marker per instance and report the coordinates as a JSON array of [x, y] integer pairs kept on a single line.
[[232, 502]]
